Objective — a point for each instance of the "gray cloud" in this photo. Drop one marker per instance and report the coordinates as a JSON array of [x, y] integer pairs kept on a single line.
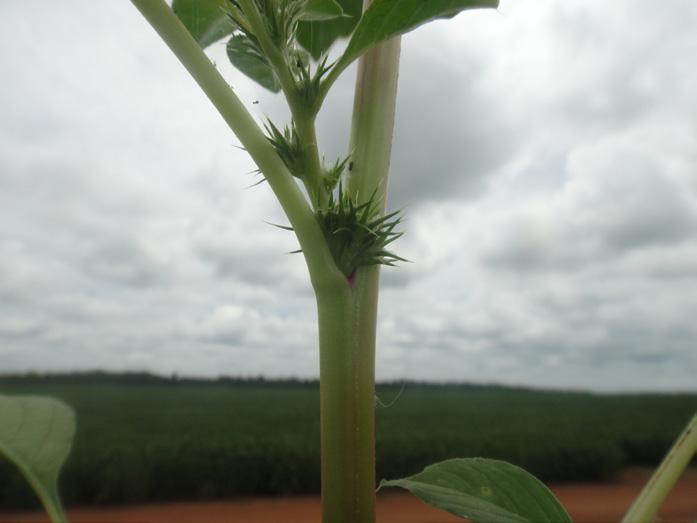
[[616, 199], [445, 145]]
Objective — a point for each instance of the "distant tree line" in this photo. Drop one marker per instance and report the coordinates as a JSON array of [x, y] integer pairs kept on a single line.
[[100, 377]]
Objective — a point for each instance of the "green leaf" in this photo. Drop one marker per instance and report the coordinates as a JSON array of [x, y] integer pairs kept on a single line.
[[319, 10], [244, 55], [206, 20], [484, 491], [36, 434], [387, 18], [318, 36]]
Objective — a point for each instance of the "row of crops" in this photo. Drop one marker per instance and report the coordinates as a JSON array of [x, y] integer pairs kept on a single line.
[[141, 441]]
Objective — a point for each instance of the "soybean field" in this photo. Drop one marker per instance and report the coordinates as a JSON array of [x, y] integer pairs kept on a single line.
[[142, 438]]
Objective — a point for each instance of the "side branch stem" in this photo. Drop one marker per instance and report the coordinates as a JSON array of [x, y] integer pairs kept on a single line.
[[302, 116], [323, 270]]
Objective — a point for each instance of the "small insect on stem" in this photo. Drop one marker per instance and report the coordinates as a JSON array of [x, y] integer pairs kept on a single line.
[[350, 166]]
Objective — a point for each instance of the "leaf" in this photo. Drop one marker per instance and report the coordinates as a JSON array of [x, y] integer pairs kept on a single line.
[[318, 36], [319, 10], [206, 20], [36, 434], [387, 18], [484, 491], [246, 57]]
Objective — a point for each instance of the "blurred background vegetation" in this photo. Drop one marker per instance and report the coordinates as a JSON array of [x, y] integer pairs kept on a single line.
[[146, 438]]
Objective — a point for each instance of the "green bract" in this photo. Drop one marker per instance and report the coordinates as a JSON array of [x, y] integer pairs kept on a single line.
[[356, 233], [287, 144]]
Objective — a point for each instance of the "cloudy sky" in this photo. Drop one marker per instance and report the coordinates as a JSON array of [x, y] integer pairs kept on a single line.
[[545, 157]]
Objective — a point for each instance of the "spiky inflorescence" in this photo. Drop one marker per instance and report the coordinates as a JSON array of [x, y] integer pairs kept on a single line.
[[281, 18], [356, 233], [308, 82], [288, 146], [332, 174]]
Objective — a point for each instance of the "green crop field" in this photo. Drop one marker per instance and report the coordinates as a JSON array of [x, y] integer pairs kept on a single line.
[[142, 439]]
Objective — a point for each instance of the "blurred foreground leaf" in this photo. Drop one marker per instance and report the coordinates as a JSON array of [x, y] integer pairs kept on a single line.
[[484, 491], [36, 434]]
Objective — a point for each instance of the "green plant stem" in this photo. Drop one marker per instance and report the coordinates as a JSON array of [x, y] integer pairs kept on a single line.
[[347, 326], [49, 498], [323, 271], [373, 121], [348, 317], [646, 506], [305, 126], [303, 116], [346, 411], [55, 510]]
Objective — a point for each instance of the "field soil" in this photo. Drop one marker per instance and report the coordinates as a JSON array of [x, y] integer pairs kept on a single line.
[[586, 502]]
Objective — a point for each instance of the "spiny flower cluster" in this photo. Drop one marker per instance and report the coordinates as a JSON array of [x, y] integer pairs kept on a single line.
[[307, 82], [287, 144], [281, 18], [289, 148], [356, 233]]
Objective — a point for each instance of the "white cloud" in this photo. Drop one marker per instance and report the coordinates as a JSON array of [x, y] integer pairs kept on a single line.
[[545, 156]]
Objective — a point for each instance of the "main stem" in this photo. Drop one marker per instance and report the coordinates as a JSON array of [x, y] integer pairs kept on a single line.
[[346, 411], [348, 313]]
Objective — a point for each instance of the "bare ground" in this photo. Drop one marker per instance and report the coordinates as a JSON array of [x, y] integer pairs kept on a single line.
[[586, 502]]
